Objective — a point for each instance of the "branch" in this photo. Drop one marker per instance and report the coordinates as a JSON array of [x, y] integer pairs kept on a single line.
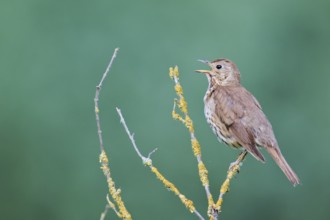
[[145, 160], [186, 120], [148, 162], [114, 192], [96, 99], [232, 171], [104, 213]]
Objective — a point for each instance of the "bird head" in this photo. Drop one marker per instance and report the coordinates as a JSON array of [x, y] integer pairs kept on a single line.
[[223, 71]]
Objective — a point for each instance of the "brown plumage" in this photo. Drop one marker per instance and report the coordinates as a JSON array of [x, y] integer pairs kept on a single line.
[[235, 115]]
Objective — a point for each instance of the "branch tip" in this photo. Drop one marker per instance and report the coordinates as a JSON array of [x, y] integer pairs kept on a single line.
[[154, 150]]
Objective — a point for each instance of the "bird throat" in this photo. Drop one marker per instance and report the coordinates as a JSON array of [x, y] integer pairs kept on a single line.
[[212, 85]]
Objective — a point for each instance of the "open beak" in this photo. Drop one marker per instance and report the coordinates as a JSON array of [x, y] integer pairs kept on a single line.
[[203, 71]]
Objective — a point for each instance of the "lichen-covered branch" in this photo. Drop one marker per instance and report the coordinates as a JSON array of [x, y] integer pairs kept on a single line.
[[148, 162], [104, 161], [232, 171], [186, 120], [213, 208]]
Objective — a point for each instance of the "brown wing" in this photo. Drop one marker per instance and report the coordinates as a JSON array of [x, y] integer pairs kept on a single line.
[[226, 108], [231, 108], [246, 139], [232, 103]]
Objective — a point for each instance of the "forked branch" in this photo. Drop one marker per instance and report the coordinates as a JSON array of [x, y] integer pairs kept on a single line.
[[148, 162]]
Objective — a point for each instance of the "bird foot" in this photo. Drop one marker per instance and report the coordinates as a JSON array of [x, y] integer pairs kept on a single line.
[[233, 164]]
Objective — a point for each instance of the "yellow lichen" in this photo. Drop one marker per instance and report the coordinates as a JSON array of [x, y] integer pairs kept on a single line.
[[189, 124], [225, 186], [183, 105], [233, 170], [114, 193], [170, 186], [167, 183], [176, 71], [210, 201], [178, 89], [219, 204], [171, 73], [103, 158], [210, 208], [203, 173], [231, 173], [188, 203], [186, 120], [176, 116], [196, 147]]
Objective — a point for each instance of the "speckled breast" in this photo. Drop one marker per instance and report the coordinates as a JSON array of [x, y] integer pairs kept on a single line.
[[217, 126]]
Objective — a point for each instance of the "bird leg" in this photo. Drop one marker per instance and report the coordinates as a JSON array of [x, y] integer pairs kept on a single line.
[[238, 161]]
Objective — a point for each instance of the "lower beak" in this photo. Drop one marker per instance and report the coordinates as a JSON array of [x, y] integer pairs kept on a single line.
[[203, 71]]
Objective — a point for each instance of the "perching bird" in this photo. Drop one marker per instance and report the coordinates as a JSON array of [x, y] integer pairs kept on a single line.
[[236, 117]]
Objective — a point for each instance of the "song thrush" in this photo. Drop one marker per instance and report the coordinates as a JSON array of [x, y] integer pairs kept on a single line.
[[235, 115]]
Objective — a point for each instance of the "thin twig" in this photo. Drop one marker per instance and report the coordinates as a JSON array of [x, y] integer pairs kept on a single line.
[[96, 99], [131, 136], [104, 213], [114, 192], [148, 162], [199, 215], [112, 206]]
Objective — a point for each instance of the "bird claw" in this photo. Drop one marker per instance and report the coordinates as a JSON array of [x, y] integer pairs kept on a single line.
[[232, 165]]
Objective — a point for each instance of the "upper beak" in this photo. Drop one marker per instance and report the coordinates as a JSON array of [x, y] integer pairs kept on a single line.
[[204, 61], [203, 71]]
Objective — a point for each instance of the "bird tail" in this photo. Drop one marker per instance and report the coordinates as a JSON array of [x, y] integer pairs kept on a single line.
[[285, 167]]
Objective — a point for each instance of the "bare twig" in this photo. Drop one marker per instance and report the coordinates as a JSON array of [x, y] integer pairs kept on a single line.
[[114, 192], [148, 162], [96, 99], [131, 137], [112, 206], [104, 213]]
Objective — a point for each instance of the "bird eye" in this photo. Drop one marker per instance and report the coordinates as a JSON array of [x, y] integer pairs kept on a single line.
[[218, 67]]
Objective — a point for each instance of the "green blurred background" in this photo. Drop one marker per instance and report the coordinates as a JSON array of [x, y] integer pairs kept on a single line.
[[53, 53]]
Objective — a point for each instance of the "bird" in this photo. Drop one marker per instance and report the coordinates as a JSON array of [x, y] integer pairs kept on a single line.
[[236, 117]]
